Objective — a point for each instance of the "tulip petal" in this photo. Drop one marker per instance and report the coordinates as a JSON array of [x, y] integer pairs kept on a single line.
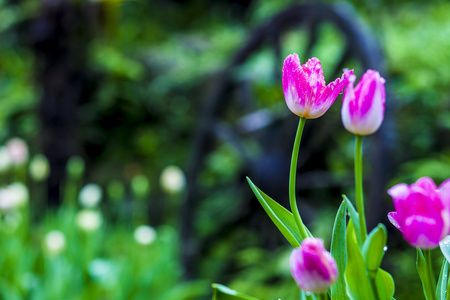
[[292, 83], [422, 232], [304, 87], [329, 94], [393, 218], [421, 213], [363, 106], [313, 268]]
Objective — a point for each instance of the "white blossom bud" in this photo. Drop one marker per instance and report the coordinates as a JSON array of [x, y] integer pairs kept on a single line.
[[172, 180], [145, 234]]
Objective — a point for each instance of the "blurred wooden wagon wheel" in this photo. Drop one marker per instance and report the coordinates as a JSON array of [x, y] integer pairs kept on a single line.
[[261, 136]]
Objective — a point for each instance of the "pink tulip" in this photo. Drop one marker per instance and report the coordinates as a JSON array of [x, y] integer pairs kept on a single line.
[[422, 212], [304, 87], [363, 106], [313, 267]]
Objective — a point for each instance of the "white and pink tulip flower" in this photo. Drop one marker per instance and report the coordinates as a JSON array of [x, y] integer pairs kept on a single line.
[[305, 90], [363, 106]]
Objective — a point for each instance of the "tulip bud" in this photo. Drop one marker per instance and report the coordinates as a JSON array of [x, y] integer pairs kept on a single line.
[[363, 106], [313, 268], [304, 87], [421, 212]]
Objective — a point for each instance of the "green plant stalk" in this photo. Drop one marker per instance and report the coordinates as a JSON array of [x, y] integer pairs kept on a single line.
[[430, 273], [373, 284], [292, 175], [322, 296], [359, 187]]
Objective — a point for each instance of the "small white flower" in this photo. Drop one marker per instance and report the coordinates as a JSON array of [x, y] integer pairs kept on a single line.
[[55, 242], [89, 220], [13, 196], [39, 167], [145, 234], [19, 193], [6, 201], [91, 195], [172, 180], [17, 150]]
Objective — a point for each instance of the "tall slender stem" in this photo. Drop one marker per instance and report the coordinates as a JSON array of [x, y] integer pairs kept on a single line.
[[373, 284], [430, 273], [292, 174], [359, 187], [322, 296]]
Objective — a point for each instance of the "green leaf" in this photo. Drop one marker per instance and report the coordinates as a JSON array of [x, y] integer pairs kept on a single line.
[[339, 252], [444, 245], [448, 294], [373, 249], [221, 292], [441, 289], [280, 216], [305, 296], [358, 284], [427, 284], [354, 216], [8, 291], [385, 285]]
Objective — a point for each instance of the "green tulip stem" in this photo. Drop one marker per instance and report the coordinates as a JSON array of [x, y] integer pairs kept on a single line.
[[322, 296], [373, 284], [430, 273], [359, 187], [292, 174]]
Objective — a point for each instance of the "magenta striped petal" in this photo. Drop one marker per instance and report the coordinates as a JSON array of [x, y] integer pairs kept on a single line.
[[313, 268], [421, 212], [363, 106], [304, 87]]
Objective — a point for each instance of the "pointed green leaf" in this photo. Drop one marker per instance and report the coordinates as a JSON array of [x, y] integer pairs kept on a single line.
[[280, 216], [447, 297], [385, 285], [304, 296], [339, 252], [427, 284], [354, 216], [221, 292], [441, 289], [373, 249], [358, 284]]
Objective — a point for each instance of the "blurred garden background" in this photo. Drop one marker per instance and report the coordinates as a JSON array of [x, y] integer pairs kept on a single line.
[[127, 128]]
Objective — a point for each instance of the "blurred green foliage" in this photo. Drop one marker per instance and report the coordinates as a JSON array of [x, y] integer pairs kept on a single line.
[[92, 247]]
